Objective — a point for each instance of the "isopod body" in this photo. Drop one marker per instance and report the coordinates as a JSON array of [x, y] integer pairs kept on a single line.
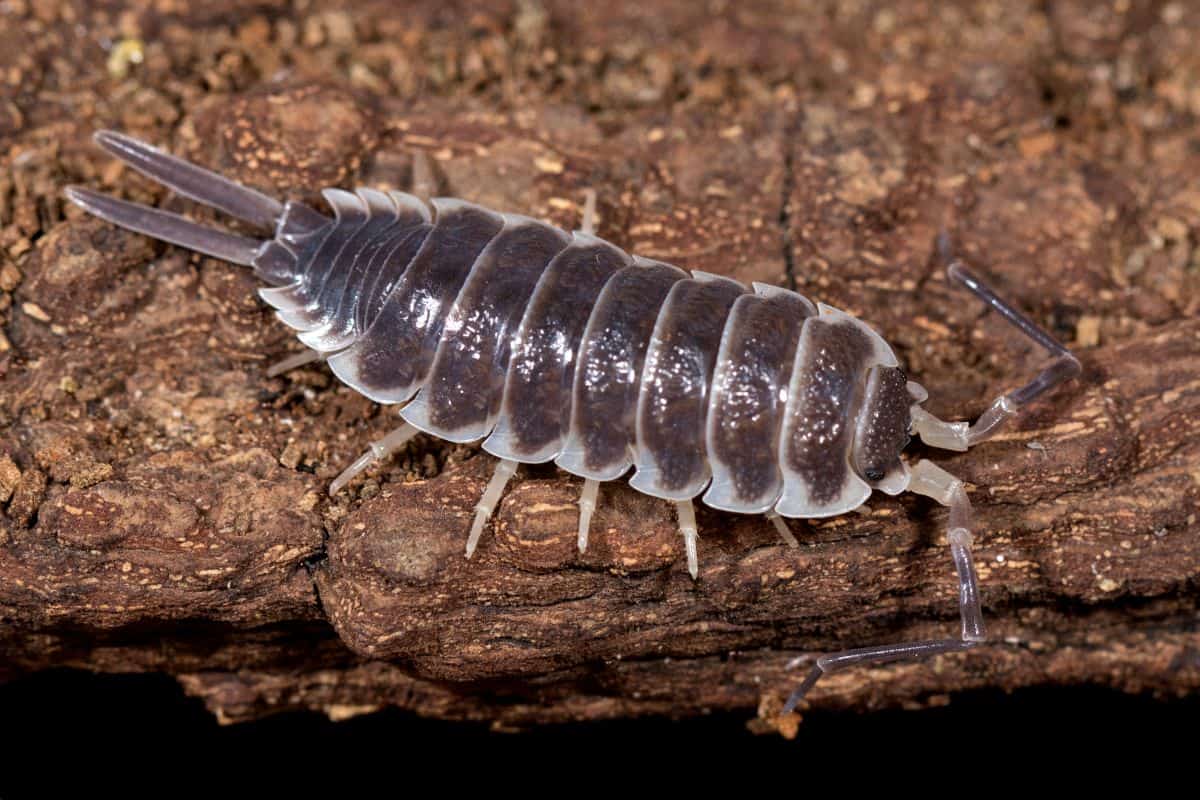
[[554, 346]]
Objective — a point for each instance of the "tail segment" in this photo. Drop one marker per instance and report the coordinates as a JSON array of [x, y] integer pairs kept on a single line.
[[292, 224], [192, 181], [167, 226]]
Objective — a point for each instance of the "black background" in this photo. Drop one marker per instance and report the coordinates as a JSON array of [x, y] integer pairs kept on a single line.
[[75, 734]]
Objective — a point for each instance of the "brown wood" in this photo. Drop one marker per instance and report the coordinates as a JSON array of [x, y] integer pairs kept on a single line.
[[164, 501]]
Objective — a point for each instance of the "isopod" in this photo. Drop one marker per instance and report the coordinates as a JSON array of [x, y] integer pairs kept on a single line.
[[554, 346]]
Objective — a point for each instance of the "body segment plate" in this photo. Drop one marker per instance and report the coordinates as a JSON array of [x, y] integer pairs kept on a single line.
[[535, 411], [671, 457], [611, 356], [749, 393], [461, 399], [390, 361]]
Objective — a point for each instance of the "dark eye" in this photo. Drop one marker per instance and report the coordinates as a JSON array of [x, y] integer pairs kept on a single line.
[[873, 474]]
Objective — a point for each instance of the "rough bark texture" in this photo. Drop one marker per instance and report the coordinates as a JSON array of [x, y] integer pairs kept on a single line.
[[164, 501]]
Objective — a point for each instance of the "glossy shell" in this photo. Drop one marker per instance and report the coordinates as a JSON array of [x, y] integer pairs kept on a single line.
[[551, 346]]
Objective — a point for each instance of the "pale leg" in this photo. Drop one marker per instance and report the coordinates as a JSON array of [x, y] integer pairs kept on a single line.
[[424, 182], [588, 223], [587, 505], [1065, 366], [931, 481], [379, 449], [491, 497], [780, 524], [296, 360], [691, 534], [591, 488]]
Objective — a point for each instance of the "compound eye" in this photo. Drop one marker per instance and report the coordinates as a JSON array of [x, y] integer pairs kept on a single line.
[[873, 474]]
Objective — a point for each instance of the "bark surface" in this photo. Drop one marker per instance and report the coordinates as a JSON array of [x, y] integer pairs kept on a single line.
[[162, 501]]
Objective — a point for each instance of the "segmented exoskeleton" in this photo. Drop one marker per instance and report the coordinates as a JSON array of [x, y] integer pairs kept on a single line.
[[555, 346]]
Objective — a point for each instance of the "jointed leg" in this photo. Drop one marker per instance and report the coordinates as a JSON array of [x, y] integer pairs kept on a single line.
[[379, 449], [588, 223], [934, 482], [290, 363], [780, 524], [424, 181], [587, 506], [691, 534], [505, 468], [959, 436], [491, 497], [591, 488]]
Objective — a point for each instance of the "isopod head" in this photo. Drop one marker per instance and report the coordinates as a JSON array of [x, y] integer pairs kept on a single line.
[[883, 427]]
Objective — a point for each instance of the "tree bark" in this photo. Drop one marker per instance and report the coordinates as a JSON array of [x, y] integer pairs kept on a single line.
[[164, 502]]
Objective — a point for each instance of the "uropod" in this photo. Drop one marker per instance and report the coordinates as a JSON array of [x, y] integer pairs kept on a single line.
[[554, 346]]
